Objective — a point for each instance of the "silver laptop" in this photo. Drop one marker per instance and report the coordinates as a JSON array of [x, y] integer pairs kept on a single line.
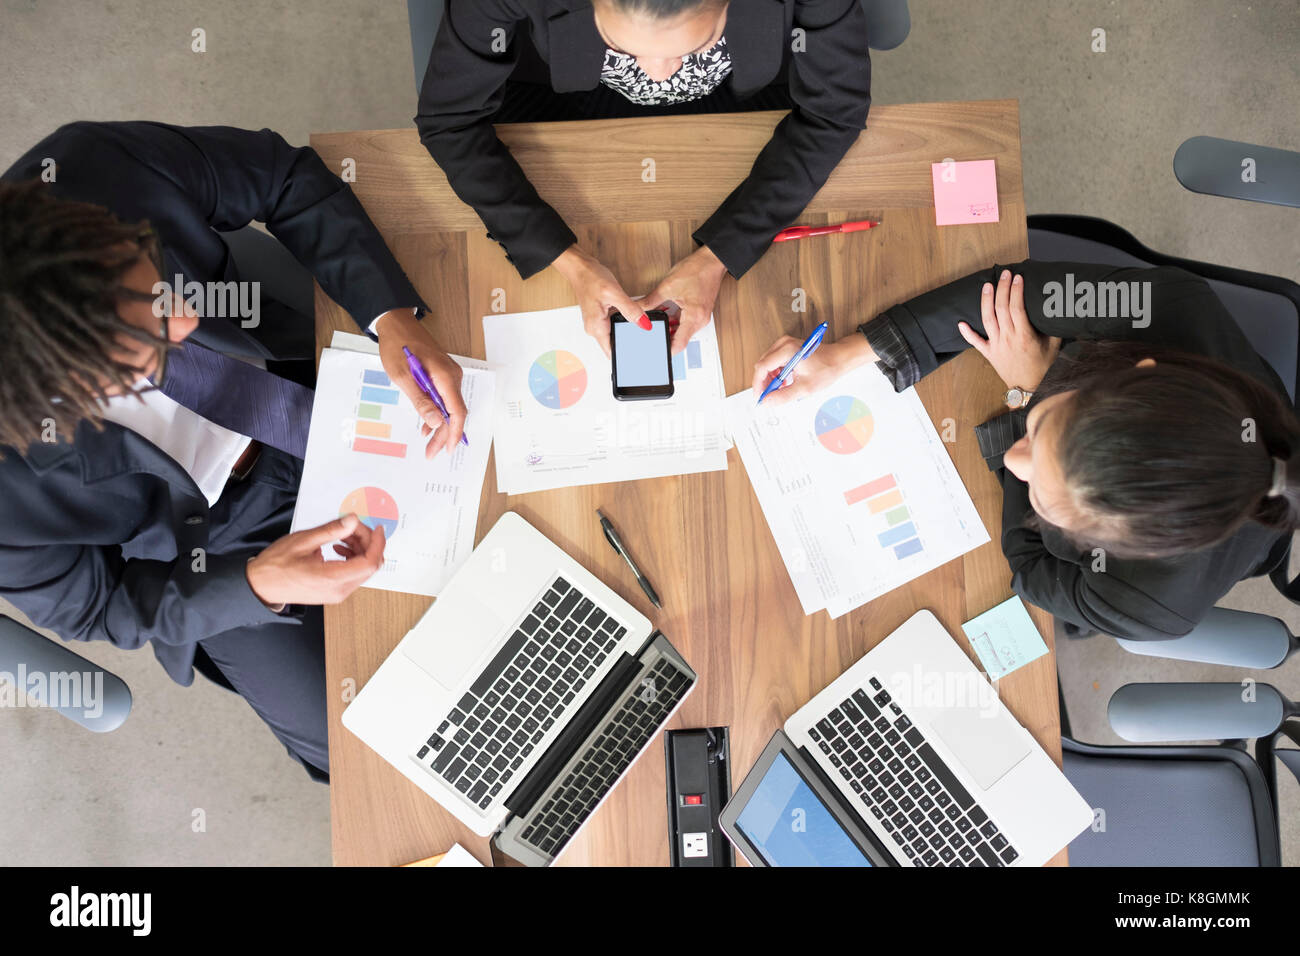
[[908, 758], [523, 696]]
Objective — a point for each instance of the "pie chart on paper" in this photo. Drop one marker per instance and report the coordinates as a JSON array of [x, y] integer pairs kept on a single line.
[[557, 379], [374, 506], [844, 425]]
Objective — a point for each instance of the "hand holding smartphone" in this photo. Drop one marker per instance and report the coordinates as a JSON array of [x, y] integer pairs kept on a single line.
[[642, 359]]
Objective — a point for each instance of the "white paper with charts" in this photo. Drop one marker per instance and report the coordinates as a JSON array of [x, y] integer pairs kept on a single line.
[[857, 488], [365, 455], [558, 423]]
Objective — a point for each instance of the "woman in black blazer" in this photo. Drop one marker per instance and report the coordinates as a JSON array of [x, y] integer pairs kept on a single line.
[[600, 58], [1153, 460]]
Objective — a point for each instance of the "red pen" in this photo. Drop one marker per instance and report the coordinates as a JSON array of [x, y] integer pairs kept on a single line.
[[803, 232]]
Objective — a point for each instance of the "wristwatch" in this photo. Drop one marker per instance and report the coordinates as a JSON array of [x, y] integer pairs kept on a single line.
[[1017, 397]]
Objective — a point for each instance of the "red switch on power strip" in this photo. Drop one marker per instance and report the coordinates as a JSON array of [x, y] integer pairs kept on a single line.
[[692, 800]]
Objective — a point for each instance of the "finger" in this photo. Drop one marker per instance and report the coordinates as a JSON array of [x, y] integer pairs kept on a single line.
[[631, 310], [449, 388], [682, 336], [597, 326], [358, 568], [770, 365], [359, 540], [337, 530], [987, 314], [1002, 299], [976, 341], [1019, 318], [343, 551], [793, 390]]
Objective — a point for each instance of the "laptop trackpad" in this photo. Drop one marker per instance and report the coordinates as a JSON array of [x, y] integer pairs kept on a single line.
[[987, 746], [446, 644]]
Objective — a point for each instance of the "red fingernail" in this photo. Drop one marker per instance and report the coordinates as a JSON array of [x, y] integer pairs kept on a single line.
[[644, 322]]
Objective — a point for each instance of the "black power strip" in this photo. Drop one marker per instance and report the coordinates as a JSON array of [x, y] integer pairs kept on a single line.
[[699, 783]]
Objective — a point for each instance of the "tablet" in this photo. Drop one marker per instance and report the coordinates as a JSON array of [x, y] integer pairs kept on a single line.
[[787, 813]]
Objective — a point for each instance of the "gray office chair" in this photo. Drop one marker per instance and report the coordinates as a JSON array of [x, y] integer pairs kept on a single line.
[[888, 23], [1236, 170]]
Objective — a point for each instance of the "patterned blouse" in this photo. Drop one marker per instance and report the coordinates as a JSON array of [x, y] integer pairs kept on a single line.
[[700, 74]]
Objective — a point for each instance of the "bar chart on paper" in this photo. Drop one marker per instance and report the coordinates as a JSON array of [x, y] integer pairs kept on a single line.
[[366, 456], [858, 490], [883, 500], [377, 408]]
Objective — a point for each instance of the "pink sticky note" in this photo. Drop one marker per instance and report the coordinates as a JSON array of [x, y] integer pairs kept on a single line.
[[965, 192]]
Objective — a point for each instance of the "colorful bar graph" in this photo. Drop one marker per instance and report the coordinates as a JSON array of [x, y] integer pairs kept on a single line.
[[366, 410], [375, 377], [373, 446], [884, 498]]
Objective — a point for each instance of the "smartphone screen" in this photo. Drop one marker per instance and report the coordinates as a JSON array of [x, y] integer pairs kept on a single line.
[[642, 359]]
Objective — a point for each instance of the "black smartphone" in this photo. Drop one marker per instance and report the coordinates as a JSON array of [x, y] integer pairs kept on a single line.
[[643, 367]]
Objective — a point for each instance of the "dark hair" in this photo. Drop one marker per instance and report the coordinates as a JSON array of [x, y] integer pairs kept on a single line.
[[1171, 458], [663, 9], [61, 268]]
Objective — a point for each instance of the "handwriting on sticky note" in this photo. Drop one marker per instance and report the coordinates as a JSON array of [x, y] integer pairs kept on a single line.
[[1004, 638], [965, 192]]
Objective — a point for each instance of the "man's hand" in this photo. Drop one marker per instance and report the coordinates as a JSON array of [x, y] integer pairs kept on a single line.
[[293, 571], [691, 288], [1015, 349], [817, 371], [598, 293], [400, 328]]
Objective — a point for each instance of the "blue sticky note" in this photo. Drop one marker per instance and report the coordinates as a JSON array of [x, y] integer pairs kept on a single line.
[[1005, 638]]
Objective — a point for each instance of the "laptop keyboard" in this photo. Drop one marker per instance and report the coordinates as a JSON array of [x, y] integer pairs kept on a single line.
[[907, 787], [518, 697], [609, 752]]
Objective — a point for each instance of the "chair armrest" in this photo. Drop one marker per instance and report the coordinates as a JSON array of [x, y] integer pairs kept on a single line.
[[1224, 636], [1152, 712], [55, 677]]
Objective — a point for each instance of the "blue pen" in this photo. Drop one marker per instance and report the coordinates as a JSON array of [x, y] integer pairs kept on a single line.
[[809, 347], [423, 380]]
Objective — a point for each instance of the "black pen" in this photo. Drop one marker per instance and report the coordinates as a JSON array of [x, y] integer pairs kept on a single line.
[[612, 537]]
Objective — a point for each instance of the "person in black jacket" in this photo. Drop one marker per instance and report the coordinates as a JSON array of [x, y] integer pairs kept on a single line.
[[1152, 459], [518, 60], [139, 514]]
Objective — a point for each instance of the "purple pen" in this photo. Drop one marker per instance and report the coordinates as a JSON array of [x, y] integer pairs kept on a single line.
[[426, 385]]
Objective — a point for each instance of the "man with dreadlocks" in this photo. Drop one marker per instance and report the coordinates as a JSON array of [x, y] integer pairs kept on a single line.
[[147, 476]]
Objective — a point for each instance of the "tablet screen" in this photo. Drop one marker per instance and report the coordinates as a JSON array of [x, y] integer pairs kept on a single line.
[[790, 826]]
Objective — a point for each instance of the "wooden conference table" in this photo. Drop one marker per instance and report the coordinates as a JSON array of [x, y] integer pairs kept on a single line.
[[634, 190]]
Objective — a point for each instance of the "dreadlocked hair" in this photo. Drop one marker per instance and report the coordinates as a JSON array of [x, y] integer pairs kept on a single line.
[[61, 269]]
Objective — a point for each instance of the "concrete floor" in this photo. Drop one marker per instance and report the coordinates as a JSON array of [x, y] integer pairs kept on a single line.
[[1099, 132]]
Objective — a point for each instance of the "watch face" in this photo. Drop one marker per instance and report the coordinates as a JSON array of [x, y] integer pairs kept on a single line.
[[1015, 397]]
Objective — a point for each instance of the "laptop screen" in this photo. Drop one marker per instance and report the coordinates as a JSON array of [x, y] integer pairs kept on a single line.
[[789, 825]]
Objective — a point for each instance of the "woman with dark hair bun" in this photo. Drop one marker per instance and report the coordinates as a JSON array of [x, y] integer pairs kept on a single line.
[[501, 61], [1150, 459]]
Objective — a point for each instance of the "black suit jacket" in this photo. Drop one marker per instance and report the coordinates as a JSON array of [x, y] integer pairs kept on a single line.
[[830, 83], [98, 531], [1138, 599]]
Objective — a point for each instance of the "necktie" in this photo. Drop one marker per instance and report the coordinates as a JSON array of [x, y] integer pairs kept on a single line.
[[239, 396]]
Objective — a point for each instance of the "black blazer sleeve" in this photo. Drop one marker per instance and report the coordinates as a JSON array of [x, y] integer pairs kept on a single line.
[[1181, 312], [473, 56], [830, 83], [226, 178]]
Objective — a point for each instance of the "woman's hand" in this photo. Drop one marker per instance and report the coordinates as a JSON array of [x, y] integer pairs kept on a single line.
[[400, 328], [291, 569], [1015, 349], [817, 371], [598, 293], [691, 289]]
